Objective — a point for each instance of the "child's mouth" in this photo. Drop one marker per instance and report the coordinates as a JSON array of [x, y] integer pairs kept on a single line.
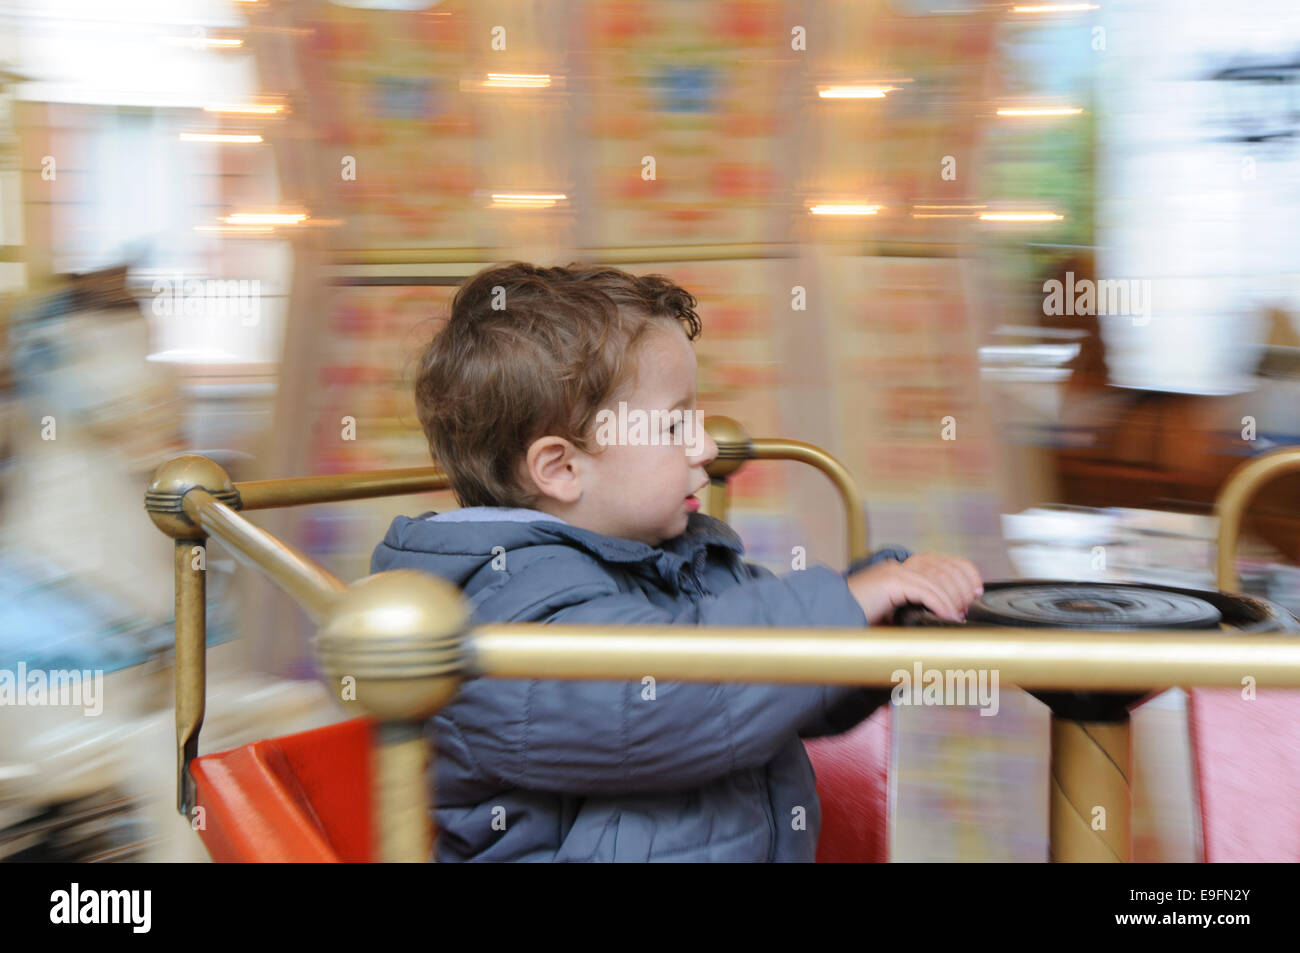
[[692, 504]]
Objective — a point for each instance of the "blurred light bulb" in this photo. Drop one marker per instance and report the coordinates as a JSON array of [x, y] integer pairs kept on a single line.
[[219, 137], [256, 109], [526, 199], [265, 218], [844, 208], [204, 42], [1032, 111], [1055, 8], [1021, 217], [856, 92], [518, 80]]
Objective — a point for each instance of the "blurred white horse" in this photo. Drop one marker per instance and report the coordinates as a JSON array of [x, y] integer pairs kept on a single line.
[[93, 419]]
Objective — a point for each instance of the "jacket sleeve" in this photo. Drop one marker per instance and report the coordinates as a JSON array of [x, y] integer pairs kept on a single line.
[[593, 738], [896, 553], [849, 705]]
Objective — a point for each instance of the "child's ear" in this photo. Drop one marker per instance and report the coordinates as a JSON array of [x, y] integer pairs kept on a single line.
[[552, 465]]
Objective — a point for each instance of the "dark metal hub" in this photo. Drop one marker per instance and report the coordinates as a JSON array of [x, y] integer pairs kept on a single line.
[[1084, 606], [1038, 604]]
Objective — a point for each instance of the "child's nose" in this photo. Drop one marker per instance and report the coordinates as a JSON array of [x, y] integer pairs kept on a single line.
[[708, 449]]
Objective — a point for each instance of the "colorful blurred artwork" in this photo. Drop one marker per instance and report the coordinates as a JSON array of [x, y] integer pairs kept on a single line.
[[381, 86], [687, 131], [362, 411], [969, 787], [369, 360], [916, 432]]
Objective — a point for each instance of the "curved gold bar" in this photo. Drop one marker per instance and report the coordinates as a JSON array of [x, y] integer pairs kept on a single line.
[[855, 512], [313, 586], [302, 491], [1237, 490], [1039, 659]]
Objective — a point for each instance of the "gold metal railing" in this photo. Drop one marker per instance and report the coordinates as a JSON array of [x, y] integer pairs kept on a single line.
[[736, 448], [1070, 660], [1237, 491], [303, 491], [403, 639]]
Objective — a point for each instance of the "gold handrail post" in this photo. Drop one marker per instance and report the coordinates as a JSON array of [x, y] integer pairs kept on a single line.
[[1092, 760], [1242, 484], [735, 448], [1091, 770], [391, 643], [164, 501], [394, 649]]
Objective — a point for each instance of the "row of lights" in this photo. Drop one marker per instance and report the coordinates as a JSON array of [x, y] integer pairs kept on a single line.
[[1007, 112], [514, 81], [266, 221], [543, 200], [980, 212]]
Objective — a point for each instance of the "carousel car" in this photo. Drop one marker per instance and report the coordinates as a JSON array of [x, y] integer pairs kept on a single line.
[[356, 790]]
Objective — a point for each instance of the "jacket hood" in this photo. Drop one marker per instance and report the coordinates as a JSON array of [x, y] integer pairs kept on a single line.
[[458, 543]]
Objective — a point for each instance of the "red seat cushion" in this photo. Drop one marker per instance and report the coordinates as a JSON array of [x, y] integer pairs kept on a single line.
[[1248, 773], [300, 798], [306, 797], [853, 787]]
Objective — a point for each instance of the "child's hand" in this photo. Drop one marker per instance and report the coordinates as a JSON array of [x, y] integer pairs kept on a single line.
[[945, 585]]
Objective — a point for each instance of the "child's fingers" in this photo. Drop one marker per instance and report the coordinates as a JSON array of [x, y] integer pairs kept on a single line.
[[916, 588], [960, 575], [971, 574], [965, 578], [943, 571], [950, 578]]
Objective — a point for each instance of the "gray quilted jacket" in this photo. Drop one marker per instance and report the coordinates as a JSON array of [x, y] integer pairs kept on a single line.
[[547, 770]]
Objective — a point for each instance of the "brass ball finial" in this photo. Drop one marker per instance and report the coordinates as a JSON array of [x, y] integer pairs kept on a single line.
[[400, 636], [173, 480], [734, 446]]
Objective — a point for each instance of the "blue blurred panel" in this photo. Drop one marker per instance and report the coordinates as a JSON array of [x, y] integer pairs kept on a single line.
[[53, 621]]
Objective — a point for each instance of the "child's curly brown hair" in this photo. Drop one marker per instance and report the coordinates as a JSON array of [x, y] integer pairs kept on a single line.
[[529, 352]]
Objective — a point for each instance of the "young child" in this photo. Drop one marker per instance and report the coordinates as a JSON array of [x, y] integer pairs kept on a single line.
[[562, 524]]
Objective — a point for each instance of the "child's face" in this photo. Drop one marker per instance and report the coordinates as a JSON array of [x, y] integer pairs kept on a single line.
[[633, 485]]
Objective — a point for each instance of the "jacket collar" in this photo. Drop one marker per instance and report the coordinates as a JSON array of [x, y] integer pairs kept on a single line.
[[668, 557]]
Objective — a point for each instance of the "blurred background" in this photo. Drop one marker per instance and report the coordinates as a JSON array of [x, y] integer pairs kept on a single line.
[[1029, 270]]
